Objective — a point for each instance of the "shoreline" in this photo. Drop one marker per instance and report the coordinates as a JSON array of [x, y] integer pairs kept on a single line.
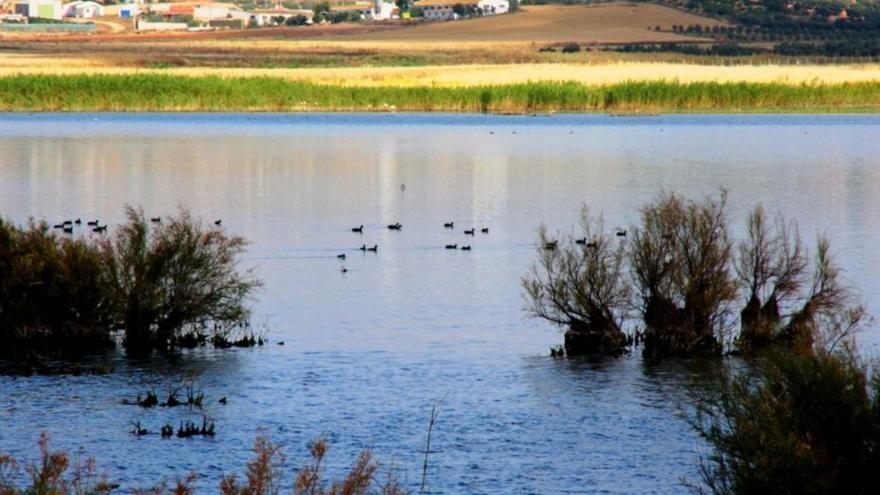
[[211, 93]]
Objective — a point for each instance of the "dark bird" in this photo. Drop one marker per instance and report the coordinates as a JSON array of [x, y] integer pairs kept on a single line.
[[591, 244], [469, 232], [363, 247], [156, 219], [78, 221], [485, 230], [222, 400], [58, 226], [621, 233], [452, 246], [93, 223], [551, 245], [101, 229], [344, 270], [218, 222], [359, 230], [449, 225], [341, 256], [395, 226], [373, 249], [68, 229], [581, 241], [465, 248], [68, 222], [281, 343]]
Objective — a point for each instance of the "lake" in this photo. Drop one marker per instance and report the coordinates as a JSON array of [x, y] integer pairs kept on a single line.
[[368, 352]]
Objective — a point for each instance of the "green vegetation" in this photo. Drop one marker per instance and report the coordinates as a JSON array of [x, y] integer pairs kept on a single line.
[[155, 92], [170, 284], [679, 283], [804, 423]]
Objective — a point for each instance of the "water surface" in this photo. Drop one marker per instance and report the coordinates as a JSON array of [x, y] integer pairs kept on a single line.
[[368, 352]]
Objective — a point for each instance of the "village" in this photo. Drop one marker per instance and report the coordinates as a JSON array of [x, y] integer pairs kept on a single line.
[[86, 15]]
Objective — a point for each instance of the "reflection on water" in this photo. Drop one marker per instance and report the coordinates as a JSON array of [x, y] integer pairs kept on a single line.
[[367, 352]]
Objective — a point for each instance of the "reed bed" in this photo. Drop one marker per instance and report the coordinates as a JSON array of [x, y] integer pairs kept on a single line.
[[156, 92]]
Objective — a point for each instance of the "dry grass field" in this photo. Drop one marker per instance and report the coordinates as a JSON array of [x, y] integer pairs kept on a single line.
[[606, 23]]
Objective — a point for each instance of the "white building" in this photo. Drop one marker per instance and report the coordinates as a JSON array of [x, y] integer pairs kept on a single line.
[[46, 9], [445, 9], [213, 11], [130, 10], [83, 9], [371, 11], [271, 17]]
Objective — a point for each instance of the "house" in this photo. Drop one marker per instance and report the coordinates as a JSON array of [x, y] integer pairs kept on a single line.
[[445, 9], [130, 10], [83, 9], [370, 11], [276, 15], [46, 9], [213, 11]]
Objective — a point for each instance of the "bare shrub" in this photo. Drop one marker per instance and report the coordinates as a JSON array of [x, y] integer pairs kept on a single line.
[[172, 275], [53, 474], [263, 472], [581, 285], [681, 261], [772, 269]]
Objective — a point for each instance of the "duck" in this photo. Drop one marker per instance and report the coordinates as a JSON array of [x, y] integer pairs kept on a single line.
[[465, 248], [485, 230], [551, 245], [621, 233], [469, 232], [218, 222], [344, 270], [449, 225], [67, 222], [101, 229], [363, 247], [341, 256], [452, 246], [92, 223], [68, 229], [223, 400], [373, 249], [58, 226], [359, 230], [78, 221], [581, 241], [156, 219], [395, 226]]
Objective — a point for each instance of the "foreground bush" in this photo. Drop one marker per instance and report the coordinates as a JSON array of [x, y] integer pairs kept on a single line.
[[63, 296], [695, 291], [796, 424], [54, 474]]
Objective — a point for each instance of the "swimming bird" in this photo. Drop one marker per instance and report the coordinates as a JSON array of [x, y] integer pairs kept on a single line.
[[449, 225], [359, 230], [156, 219], [218, 222], [465, 248], [395, 226], [469, 232], [78, 221], [373, 249], [363, 247], [101, 229], [68, 222], [223, 400], [551, 245], [344, 270], [58, 226], [341, 256], [92, 223], [621, 233], [485, 230], [581, 241], [451, 246], [68, 229], [281, 342]]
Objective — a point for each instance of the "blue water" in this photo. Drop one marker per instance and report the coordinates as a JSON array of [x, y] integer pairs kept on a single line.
[[368, 352]]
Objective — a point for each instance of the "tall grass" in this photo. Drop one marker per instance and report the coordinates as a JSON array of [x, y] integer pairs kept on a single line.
[[157, 92]]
